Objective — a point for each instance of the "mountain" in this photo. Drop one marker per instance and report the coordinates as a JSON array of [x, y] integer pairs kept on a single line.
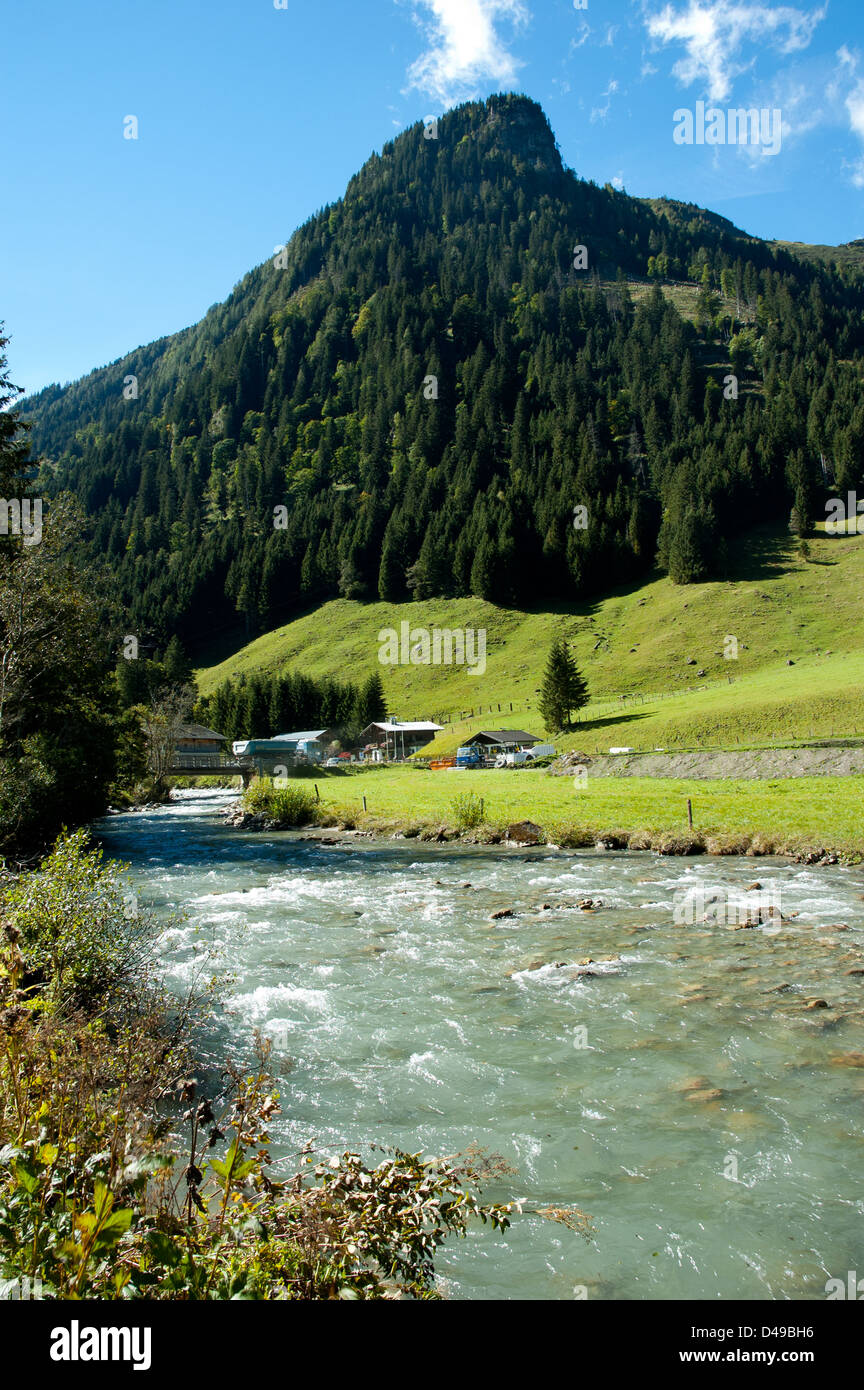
[[419, 394]]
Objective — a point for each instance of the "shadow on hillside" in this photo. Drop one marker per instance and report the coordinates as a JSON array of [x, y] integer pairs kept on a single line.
[[608, 721], [766, 552]]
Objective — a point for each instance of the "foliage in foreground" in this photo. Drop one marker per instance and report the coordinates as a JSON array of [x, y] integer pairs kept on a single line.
[[122, 1177]]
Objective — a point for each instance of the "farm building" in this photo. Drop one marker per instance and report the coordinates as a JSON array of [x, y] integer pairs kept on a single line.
[[397, 739], [502, 740], [196, 739]]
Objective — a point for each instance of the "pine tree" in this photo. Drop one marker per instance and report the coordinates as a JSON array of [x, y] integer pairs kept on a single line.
[[687, 549], [391, 575], [13, 442], [178, 667], [371, 706], [564, 689]]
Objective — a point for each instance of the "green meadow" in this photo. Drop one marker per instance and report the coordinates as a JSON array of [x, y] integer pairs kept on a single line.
[[783, 816]]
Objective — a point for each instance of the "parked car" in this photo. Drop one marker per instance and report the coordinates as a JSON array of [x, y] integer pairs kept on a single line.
[[332, 762]]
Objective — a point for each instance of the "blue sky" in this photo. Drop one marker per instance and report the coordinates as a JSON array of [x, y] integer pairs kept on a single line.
[[250, 117]]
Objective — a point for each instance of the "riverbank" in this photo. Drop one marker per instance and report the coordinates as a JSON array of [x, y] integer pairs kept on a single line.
[[810, 819]]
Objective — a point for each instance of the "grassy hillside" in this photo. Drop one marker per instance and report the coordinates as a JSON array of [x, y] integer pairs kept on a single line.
[[634, 647]]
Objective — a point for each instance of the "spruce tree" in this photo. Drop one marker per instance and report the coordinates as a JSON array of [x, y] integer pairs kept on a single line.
[[178, 667], [371, 706], [391, 575], [13, 431], [564, 689], [552, 705]]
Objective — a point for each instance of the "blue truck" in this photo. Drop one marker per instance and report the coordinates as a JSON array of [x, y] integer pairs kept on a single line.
[[469, 757]]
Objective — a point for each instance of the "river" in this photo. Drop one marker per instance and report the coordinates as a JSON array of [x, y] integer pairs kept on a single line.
[[691, 1093]]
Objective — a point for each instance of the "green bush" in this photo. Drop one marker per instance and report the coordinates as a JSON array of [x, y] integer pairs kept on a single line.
[[293, 806], [80, 931], [288, 805], [468, 810]]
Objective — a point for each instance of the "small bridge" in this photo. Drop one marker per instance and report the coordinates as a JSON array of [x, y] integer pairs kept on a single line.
[[212, 765]]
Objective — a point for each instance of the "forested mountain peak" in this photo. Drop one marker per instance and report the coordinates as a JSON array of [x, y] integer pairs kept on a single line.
[[475, 372]]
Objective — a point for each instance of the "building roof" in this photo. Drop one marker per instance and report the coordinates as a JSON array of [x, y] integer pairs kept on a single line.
[[420, 726], [282, 743], [306, 736], [198, 731], [501, 736]]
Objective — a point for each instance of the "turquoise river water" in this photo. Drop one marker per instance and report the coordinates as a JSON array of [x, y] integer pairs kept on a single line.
[[699, 1093]]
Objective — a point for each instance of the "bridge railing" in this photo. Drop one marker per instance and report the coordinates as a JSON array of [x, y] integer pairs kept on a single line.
[[206, 760]]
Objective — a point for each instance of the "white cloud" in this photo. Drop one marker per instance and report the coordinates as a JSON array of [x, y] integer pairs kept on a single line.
[[713, 33], [599, 113], [851, 100], [847, 60], [855, 108], [466, 49]]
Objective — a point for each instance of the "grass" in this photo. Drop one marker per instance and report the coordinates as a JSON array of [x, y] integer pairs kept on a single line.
[[633, 646], [783, 816]]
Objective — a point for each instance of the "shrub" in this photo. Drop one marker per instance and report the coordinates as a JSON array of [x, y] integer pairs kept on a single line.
[[288, 805], [293, 806], [93, 1204], [468, 810], [79, 927]]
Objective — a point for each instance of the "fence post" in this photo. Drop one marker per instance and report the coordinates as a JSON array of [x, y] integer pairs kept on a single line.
[[317, 793], [689, 813]]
